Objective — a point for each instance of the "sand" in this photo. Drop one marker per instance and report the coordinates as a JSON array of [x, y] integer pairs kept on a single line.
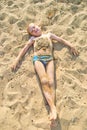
[[22, 105]]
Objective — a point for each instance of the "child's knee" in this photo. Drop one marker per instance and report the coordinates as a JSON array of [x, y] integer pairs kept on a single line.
[[44, 80], [51, 82]]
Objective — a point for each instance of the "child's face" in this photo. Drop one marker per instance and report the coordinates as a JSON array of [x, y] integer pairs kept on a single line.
[[34, 30]]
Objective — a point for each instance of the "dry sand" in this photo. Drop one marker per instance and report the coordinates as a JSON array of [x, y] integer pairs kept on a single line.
[[22, 105]]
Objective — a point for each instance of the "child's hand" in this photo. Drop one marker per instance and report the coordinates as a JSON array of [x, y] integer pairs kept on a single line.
[[15, 65], [74, 51]]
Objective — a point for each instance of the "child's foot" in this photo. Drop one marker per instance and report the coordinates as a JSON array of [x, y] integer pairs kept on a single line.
[[53, 114]]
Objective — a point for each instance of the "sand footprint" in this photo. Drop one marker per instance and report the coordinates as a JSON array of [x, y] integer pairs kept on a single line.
[[3, 16], [15, 94], [12, 19], [78, 19]]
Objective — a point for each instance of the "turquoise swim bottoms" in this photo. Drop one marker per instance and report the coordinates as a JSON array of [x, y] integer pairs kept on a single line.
[[44, 59]]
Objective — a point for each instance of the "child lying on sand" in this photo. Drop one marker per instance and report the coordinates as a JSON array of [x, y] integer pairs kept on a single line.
[[43, 61]]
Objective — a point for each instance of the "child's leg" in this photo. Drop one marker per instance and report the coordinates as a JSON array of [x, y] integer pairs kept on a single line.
[[45, 86], [50, 73]]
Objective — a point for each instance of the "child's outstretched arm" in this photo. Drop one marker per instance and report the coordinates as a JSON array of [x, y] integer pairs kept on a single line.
[[21, 54], [65, 42]]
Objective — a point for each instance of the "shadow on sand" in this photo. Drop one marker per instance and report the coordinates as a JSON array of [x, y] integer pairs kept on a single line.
[[56, 126]]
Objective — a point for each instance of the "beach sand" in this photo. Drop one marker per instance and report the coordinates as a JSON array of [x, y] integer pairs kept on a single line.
[[22, 105]]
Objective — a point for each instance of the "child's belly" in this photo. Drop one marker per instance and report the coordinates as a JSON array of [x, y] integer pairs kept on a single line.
[[43, 52]]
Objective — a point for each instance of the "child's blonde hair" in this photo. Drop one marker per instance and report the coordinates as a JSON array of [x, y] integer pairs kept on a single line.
[[28, 28]]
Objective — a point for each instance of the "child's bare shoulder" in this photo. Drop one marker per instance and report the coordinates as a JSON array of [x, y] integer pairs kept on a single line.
[[49, 34], [46, 34]]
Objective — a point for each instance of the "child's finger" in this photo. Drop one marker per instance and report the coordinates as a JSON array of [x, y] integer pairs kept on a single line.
[[13, 67]]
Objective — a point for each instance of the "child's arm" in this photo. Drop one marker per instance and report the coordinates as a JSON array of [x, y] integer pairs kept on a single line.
[[21, 54], [65, 42]]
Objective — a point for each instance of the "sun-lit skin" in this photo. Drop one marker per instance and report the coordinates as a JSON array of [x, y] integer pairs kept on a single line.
[[34, 30]]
